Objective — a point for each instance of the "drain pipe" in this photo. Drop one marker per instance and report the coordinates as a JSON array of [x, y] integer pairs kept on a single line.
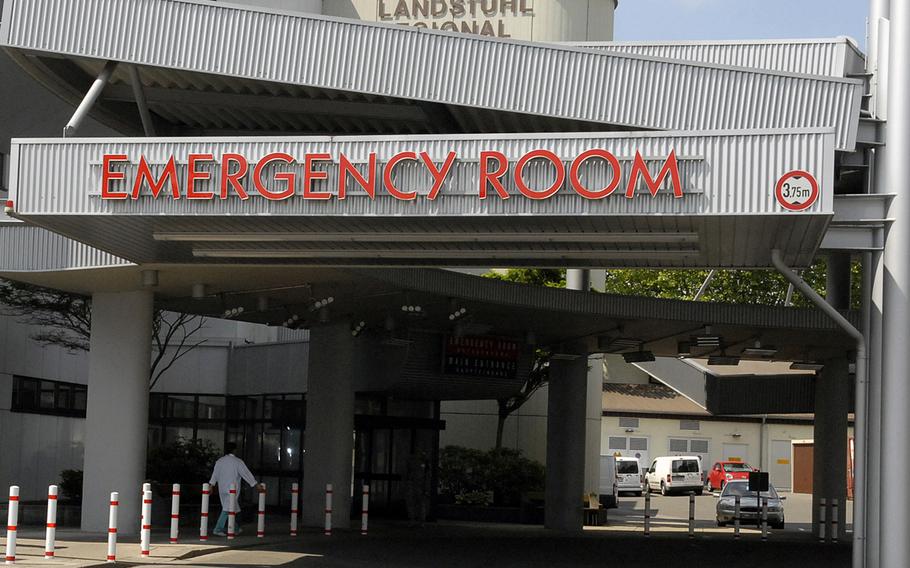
[[859, 411]]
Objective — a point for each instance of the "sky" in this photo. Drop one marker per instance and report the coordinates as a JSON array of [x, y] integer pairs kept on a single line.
[[740, 19]]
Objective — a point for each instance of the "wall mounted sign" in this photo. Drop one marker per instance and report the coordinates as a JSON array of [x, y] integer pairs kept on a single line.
[[321, 176], [796, 190], [481, 357]]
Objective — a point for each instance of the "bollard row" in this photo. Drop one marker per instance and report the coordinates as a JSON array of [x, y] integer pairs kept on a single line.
[[145, 524]]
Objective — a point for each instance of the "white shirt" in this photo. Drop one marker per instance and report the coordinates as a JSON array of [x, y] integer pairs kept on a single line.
[[228, 470]]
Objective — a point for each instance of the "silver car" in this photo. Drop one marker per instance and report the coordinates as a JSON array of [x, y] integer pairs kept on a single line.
[[749, 505]]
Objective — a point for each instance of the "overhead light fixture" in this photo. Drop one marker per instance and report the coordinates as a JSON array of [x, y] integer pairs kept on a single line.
[[319, 304], [723, 360], [619, 343], [412, 309], [292, 321], [757, 350], [232, 312], [806, 366], [459, 313], [638, 356], [358, 329]]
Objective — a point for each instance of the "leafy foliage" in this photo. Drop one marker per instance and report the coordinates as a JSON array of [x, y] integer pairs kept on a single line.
[[466, 474], [71, 485], [187, 462]]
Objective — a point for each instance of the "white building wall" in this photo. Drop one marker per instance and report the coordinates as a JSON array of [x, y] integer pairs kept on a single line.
[[472, 423]]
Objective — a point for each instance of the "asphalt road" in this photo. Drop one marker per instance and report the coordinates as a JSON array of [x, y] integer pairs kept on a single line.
[[444, 546]]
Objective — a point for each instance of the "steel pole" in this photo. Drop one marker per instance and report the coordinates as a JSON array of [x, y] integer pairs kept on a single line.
[[94, 92], [895, 525]]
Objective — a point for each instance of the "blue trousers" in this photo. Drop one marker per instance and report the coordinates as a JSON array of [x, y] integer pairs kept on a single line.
[[221, 525]]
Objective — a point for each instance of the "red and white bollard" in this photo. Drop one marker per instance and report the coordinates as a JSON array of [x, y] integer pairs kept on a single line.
[[232, 512], [328, 510], [12, 520], [204, 513], [145, 538], [295, 493], [145, 487], [112, 528], [260, 515], [175, 512], [365, 510], [51, 531]]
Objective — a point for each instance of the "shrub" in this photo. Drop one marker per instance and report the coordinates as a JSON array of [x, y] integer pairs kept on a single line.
[[71, 485], [466, 474], [187, 462]]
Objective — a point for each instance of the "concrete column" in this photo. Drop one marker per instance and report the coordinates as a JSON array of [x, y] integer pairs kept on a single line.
[[116, 424], [593, 417], [565, 485], [829, 475], [895, 524], [578, 279], [329, 436]]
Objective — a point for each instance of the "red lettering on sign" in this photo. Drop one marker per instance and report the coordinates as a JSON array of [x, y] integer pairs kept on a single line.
[[345, 167], [288, 177], [557, 183], [193, 175], [233, 178], [107, 176], [493, 178], [309, 174], [439, 176], [600, 193], [145, 175], [640, 168], [387, 177]]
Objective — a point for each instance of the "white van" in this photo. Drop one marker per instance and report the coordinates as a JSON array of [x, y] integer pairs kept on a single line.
[[675, 474], [628, 475], [608, 488]]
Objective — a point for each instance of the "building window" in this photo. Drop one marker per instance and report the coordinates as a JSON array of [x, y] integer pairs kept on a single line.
[[42, 396], [640, 444], [689, 425], [681, 446], [628, 422], [687, 446], [617, 442]]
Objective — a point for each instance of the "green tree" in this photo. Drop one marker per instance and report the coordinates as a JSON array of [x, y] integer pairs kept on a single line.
[[765, 287]]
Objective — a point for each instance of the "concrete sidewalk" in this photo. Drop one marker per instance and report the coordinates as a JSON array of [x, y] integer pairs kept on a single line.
[[77, 549]]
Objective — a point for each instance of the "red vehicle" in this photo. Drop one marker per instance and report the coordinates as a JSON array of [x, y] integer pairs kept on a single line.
[[722, 472]]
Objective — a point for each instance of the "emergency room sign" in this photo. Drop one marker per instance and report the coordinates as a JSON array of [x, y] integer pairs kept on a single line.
[[278, 176]]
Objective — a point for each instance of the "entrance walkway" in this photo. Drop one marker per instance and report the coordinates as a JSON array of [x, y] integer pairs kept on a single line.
[[456, 545]]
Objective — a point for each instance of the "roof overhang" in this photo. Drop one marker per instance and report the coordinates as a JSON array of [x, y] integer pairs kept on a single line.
[[723, 212], [206, 69]]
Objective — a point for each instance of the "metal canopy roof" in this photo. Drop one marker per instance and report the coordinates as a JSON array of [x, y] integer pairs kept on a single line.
[[208, 70], [726, 216]]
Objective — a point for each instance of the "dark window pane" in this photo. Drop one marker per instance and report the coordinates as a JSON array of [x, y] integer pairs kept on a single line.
[[26, 396], [290, 447], [181, 406], [157, 404], [80, 398], [271, 449], [64, 397], [213, 432], [48, 395], [211, 407]]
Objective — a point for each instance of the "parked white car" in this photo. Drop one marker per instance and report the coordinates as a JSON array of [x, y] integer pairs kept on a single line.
[[628, 475], [675, 474], [608, 487]]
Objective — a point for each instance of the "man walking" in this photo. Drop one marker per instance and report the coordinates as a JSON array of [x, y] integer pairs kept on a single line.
[[229, 469]]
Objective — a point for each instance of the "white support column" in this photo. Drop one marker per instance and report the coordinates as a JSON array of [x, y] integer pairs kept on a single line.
[[116, 425], [94, 92], [565, 483], [895, 525], [832, 396], [593, 417], [329, 423]]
